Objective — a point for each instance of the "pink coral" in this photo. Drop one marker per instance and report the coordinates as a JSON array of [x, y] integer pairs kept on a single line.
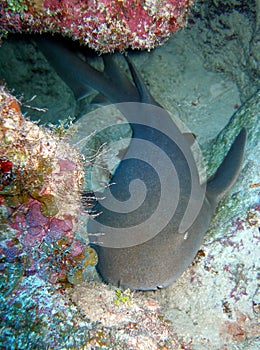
[[104, 25]]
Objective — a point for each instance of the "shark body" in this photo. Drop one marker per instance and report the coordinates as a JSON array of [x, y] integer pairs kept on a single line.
[[159, 260]]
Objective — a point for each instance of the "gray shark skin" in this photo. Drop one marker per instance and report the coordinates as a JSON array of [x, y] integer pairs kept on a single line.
[[160, 260], [80, 76]]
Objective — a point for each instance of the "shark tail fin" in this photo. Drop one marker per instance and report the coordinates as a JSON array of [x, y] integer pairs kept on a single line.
[[224, 178]]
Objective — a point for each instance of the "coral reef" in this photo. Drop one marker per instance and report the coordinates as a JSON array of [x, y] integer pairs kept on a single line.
[[41, 176], [42, 253], [102, 25], [38, 315], [135, 321], [216, 303]]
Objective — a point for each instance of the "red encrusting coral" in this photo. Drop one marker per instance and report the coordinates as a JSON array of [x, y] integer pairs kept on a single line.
[[104, 25]]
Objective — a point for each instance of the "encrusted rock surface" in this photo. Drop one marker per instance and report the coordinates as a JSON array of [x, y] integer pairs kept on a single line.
[[205, 74], [103, 25]]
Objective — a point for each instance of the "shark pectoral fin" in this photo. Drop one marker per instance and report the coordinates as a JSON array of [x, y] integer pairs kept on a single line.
[[100, 100], [227, 173], [80, 90]]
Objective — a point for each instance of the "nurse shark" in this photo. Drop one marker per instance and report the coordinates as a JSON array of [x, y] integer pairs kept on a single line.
[[133, 250]]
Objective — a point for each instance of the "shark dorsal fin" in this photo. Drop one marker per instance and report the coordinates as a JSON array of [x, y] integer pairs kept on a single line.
[[228, 171]]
